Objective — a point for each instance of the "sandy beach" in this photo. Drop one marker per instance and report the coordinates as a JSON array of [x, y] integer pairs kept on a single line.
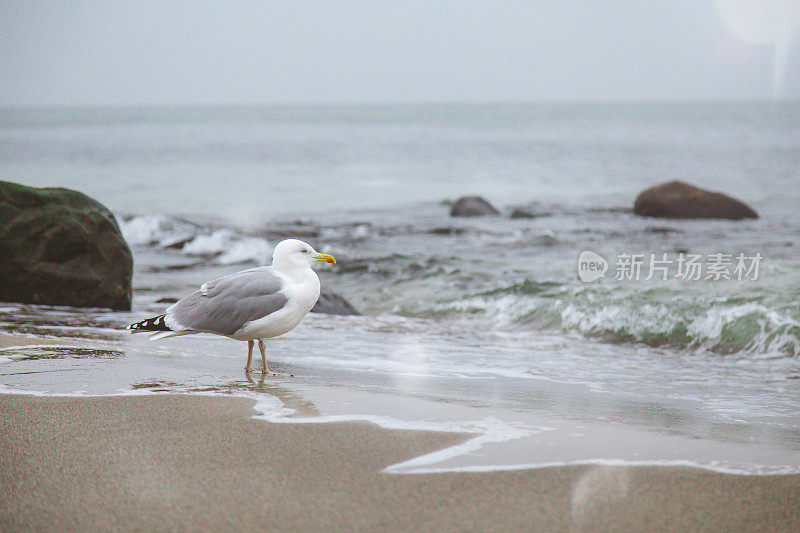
[[190, 462]]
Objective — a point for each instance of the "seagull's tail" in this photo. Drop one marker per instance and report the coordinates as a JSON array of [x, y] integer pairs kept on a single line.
[[158, 327], [155, 323]]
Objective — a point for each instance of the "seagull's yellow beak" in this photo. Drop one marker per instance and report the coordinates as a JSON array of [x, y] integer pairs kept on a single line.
[[325, 258]]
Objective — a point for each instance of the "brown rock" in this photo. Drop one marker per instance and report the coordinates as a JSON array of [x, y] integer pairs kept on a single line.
[[677, 199], [472, 206]]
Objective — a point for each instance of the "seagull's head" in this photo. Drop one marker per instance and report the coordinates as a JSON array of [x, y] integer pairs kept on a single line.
[[299, 253]]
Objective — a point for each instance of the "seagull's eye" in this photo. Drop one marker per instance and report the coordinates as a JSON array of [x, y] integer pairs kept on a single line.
[[304, 251]]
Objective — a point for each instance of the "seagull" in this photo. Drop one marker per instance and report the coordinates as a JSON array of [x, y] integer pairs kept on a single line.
[[250, 305]]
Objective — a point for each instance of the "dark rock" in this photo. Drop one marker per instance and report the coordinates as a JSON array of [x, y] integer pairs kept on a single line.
[[661, 230], [297, 229], [60, 247], [178, 243], [521, 213], [447, 231], [332, 304], [677, 199], [472, 206]]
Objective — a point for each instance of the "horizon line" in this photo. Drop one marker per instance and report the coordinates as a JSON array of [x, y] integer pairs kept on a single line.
[[403, 103]]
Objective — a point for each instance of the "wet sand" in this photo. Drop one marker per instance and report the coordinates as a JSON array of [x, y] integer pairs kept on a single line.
[[191, 462]]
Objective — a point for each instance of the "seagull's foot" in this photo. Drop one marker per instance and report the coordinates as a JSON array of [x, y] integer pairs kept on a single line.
[[248, 370]]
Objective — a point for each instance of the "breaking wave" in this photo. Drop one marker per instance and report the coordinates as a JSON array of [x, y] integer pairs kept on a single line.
[[748, 328], [730, 326], [223, 246]]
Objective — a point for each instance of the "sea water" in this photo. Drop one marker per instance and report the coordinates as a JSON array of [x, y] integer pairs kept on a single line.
[[476, 325]]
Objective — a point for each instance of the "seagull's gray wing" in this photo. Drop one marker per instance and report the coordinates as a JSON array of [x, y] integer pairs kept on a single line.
[[226, 304]]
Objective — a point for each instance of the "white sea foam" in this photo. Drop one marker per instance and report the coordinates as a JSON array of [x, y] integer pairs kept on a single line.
[[488, 429], [157, 230], [211, 244], [244, 250], [491, 430], [229, 248], [723, 467], [224, 245]]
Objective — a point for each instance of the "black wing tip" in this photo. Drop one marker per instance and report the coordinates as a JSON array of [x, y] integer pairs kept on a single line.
[[155, 323]]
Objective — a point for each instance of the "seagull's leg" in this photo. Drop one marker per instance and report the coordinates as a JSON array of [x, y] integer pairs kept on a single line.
[[265, 369], [247, 367]]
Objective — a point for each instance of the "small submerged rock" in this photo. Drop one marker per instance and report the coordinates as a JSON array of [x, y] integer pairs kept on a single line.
[[60, 247], [546, 237], [447, 231], [523, 213], [661, 230], [332, 304], [472, 206], [296, 229], [677, 199]]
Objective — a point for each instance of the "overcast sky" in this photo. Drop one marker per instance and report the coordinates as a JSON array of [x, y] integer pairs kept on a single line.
[[296, 51]]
